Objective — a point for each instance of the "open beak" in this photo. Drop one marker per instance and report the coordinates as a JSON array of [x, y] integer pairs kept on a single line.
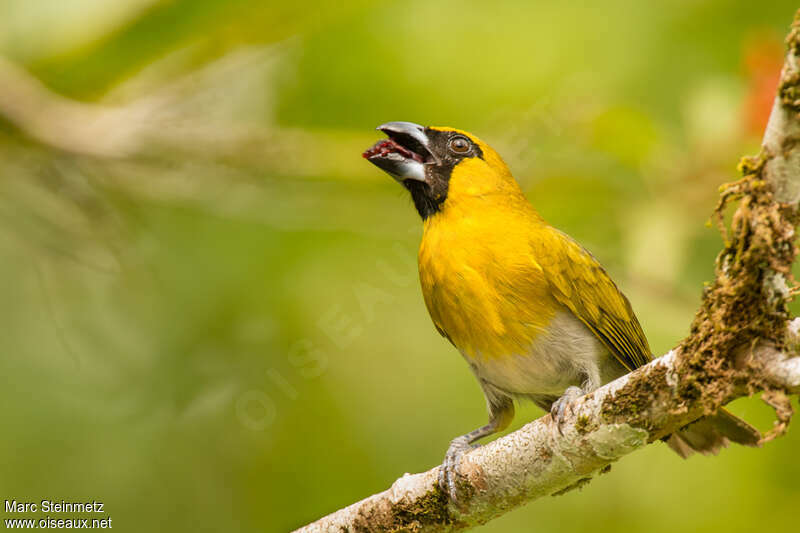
[[404, 154]]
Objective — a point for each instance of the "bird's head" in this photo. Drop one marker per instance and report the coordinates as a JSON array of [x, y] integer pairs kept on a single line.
[[440, 166]]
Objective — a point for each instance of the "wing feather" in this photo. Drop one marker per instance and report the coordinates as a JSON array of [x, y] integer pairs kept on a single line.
[[580, 284]]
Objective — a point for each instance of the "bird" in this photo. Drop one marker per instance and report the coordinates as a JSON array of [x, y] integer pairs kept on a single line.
[[533, 313]]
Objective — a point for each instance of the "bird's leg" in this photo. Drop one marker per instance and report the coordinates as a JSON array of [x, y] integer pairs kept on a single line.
[[591, 381], [559, 407], [501, 412]]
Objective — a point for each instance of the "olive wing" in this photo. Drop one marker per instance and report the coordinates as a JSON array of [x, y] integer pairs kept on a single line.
[[580, 284]]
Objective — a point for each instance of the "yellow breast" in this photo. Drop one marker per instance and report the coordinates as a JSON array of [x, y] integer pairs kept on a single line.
[[482, 285]]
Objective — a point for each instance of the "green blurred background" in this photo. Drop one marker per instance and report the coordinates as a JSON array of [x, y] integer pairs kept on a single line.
[[212, 318]]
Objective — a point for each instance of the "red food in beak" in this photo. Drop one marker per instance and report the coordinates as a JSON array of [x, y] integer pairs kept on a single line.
[[388, 146]]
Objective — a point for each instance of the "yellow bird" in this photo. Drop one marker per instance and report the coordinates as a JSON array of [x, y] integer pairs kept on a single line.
[[531, 311]]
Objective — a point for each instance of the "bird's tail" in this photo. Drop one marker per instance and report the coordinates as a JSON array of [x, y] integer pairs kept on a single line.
[[710, 434]]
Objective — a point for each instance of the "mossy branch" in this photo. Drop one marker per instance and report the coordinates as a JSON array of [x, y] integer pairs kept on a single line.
[[537, 460], [741, 342]]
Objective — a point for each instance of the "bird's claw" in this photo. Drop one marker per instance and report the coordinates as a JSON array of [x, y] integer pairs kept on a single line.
[[559, 407], [450, 467]]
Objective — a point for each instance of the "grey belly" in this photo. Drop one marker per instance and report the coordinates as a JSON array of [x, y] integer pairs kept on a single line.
[[567, 355]]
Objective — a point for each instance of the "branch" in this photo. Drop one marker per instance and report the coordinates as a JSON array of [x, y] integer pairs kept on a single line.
[[537, 461], [60, 122], [141, 120], [741, 342], [219, 112]]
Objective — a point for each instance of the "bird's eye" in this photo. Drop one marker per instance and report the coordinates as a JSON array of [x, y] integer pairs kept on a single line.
[[459, 144]]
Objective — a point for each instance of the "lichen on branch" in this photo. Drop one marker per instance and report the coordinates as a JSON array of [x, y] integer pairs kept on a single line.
[[748, 300]]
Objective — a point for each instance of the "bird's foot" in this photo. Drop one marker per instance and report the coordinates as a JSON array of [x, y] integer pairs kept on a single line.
[[450, 467], [560, 406]]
